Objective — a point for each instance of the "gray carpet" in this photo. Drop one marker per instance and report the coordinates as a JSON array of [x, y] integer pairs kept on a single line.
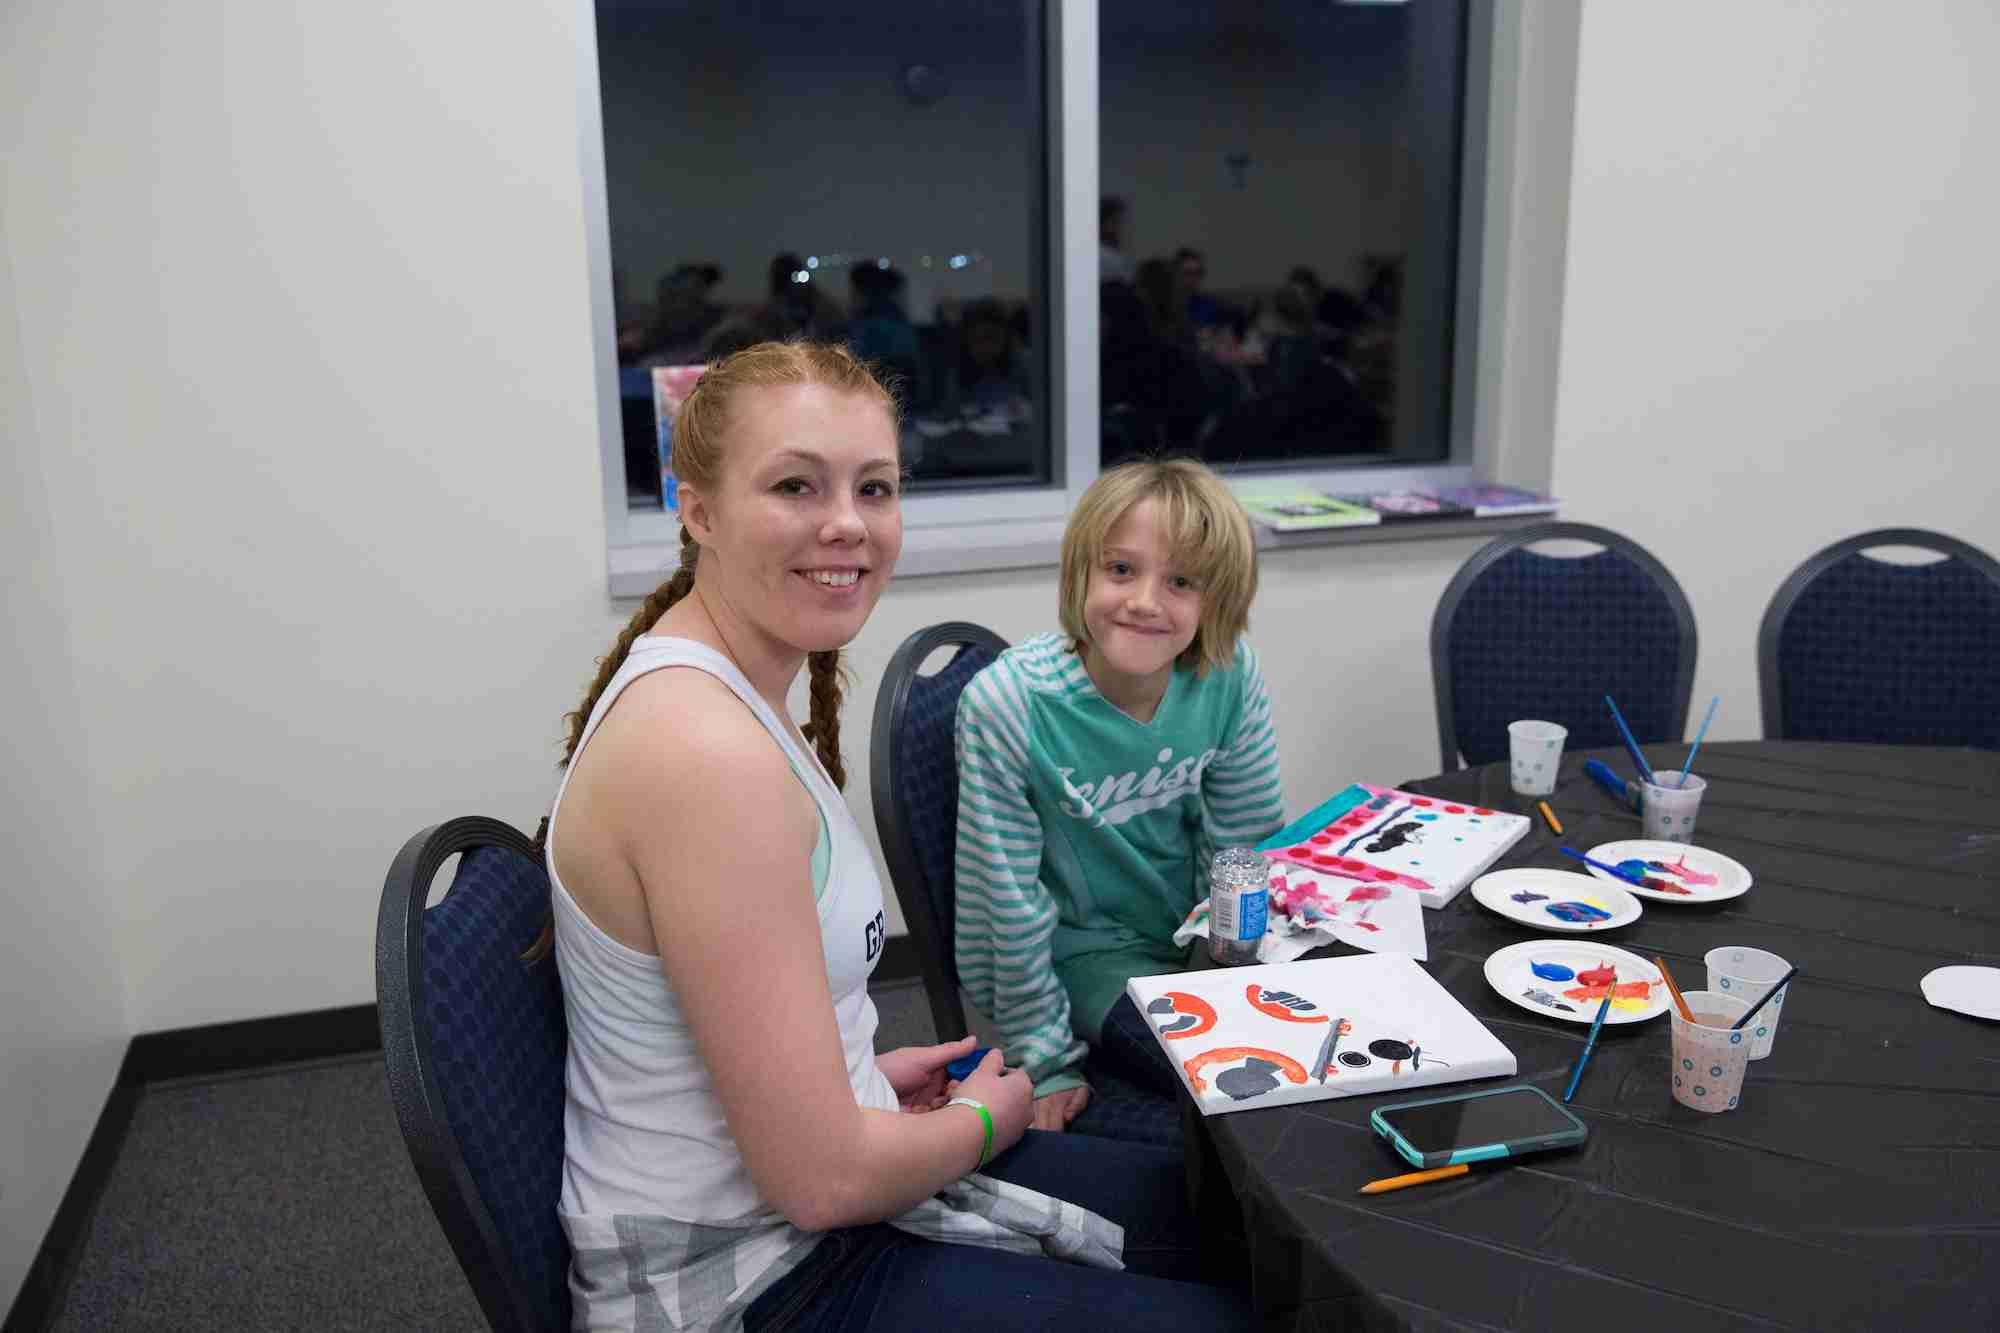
[[285, 1199]]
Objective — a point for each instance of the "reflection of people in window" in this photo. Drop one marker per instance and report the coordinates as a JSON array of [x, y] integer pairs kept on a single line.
[[991, 374], [794, 305], [880, 333], [1113, 264], [1190, 272], [682, 316]]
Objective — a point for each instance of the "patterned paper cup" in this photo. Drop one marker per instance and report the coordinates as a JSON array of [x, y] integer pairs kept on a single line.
[[1708, 1057], [1667, 807], [1536, 749], [1746, 974]]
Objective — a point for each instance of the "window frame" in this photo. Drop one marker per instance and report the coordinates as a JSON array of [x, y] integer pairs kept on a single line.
[[1517, 98]]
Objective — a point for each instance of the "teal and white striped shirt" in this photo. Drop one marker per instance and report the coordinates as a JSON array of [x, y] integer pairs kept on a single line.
[[1084, 836]]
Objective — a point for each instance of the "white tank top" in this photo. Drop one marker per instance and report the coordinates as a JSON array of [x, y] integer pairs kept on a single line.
[[643, 1132]]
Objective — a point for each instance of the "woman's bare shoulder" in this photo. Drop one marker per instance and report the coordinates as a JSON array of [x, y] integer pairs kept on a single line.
[[679, 775], [681, 731]]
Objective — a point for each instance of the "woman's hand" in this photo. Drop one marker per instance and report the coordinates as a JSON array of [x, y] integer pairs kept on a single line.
[[918, 1075], [1054, 1111], [1008, 1095]]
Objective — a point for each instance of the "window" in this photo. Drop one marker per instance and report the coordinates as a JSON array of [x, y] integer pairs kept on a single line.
[[1278, 226], [866, 173], [945, 185]]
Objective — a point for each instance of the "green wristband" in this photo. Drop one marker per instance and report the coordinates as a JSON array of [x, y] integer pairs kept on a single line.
[[985, 1148]]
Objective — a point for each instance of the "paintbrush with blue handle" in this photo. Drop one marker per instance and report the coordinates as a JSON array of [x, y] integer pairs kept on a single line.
[[1607, 777], [1596, 1026], [1631, 744], [1629, 876]]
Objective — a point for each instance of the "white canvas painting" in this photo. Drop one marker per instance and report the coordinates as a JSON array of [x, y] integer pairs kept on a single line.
[[1268, 1035], [1379, 835]]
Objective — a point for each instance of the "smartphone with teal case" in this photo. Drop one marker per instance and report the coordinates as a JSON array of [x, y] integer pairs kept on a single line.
[[1478, 1126]]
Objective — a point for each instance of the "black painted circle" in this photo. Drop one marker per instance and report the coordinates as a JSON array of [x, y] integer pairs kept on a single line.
[[1354, 1059], [1390, 1050]]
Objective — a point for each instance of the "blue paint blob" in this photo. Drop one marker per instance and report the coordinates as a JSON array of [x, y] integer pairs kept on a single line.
[[1524, 897], [1576, 912], [1426, 818], [1552, 971]]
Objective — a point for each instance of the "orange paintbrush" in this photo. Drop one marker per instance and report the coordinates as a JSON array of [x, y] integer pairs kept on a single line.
[[1672, 989]]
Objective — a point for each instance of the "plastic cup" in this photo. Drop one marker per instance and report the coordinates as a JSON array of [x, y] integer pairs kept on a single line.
[[1746, 974], [1709, 1057], [1667, 807], [1536, 751]]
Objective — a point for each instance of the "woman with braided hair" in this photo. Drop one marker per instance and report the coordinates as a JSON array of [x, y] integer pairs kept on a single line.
[[736, 1155]]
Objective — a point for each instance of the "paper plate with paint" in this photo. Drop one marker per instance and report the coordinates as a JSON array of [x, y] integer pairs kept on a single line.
[[1567, 979], [1674, 871], [1556, 900]]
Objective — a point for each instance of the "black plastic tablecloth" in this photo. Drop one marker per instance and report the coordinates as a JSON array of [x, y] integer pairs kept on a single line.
[[1858, 1184]]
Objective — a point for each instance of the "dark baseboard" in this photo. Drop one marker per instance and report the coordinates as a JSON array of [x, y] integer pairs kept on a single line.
[[254, 1043], [212, 1050], [40, 1299]]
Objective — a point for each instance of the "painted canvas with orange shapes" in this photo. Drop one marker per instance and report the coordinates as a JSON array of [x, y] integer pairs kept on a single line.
[[1246, 1037]]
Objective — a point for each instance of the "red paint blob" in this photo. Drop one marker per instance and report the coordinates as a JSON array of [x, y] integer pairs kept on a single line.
[[1298, 853], [1421, 801], [1481, 810], [1454, 809], [1385, 874]]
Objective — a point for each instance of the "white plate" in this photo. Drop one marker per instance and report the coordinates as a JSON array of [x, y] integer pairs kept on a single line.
[[1511, 971], [1731, 879], [1527, 895], [1969, 990]]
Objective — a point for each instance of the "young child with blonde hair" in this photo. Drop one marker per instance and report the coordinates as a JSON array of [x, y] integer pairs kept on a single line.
[[1100, 767]]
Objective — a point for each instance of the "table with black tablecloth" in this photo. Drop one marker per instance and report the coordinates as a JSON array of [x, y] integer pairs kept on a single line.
[[1858, 1184]]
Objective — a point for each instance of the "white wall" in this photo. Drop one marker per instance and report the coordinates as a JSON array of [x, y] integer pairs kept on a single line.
[[304, 309], [306, 492], [1782, 301], [62, 996]]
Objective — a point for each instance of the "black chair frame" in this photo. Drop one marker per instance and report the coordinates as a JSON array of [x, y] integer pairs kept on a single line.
[[413, 1084], [913, 890], [1770, 690], [1502, 546]]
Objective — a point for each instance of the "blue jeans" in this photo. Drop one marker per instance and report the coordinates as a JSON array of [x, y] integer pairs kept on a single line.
[[878, 1278], [1127, 1047]]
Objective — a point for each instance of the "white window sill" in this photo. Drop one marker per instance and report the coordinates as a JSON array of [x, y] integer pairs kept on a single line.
[[971, 548]]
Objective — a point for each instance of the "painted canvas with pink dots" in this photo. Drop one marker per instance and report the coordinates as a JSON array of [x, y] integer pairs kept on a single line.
[[1378, 835], [1269, 1034]]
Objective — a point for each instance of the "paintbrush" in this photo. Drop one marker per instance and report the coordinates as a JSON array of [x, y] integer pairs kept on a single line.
[[1629, 876], [1324, 1060], [1706, 719], [1752, 1011], [1631, 745], [1596, 1026], [1686, 1014]]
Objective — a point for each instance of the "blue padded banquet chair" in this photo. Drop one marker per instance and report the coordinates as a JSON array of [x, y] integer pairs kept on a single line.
[[475, 1040], [1524, 634], [1853, 648], [913, 777]]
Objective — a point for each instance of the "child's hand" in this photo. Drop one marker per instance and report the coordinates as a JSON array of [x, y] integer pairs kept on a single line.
[[918, 1074], [1054, 1111]]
